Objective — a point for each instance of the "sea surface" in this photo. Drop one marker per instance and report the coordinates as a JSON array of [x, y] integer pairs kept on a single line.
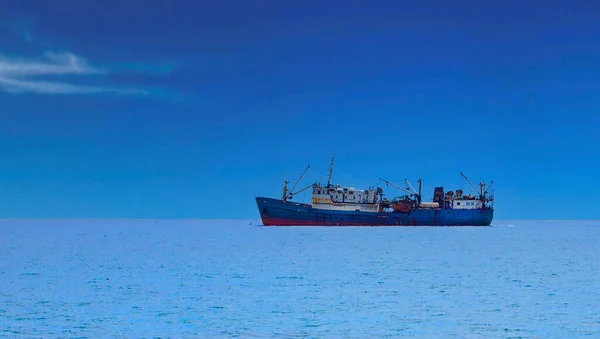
[[225, 279]]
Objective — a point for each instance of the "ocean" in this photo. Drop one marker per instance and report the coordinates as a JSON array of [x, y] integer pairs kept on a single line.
[[226, 279]]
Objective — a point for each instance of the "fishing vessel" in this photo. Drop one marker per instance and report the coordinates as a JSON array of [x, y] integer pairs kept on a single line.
[[337, 205]]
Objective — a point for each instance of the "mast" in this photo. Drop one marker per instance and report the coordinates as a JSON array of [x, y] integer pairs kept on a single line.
[[420, 186], [330, 173], [285, 190]]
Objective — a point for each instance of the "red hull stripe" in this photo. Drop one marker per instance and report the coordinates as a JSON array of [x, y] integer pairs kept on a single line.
[[292, 222]]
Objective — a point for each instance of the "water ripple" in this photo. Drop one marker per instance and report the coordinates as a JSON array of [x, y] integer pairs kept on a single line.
[[224, 280]]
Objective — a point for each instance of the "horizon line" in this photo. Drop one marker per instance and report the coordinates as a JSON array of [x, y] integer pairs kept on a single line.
[[223, 219]]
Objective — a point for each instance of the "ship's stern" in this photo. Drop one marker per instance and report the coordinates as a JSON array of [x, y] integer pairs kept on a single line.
[[487, 216]]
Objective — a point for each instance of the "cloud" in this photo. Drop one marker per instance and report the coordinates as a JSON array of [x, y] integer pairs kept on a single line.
[[53, 87], [19, 75]]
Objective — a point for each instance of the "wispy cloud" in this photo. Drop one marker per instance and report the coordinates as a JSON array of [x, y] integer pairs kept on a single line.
[[19, 75]]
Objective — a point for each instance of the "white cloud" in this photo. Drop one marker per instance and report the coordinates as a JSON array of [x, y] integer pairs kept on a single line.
[[18, 86], [19, 75]]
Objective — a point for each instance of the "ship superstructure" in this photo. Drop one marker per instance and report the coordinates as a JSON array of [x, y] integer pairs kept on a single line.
[[336, 205]]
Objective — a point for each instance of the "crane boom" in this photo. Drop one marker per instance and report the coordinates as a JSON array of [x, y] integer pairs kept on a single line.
[[411, 186], [487, 188], [398, 187], [464, 176], [302, 190], [296, 184]]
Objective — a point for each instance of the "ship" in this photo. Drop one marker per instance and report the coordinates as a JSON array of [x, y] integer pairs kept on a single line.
[[337, 205]]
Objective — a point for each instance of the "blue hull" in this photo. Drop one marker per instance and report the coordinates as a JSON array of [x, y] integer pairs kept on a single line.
[[275, 212]]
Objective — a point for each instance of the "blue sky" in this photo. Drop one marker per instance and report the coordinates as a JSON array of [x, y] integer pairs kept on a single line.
[[189, 109]]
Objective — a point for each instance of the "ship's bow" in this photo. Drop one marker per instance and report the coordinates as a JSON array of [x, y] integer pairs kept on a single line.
[[266, 209]]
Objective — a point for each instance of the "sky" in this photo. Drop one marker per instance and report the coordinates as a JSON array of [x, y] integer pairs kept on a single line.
[[191, 109]]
